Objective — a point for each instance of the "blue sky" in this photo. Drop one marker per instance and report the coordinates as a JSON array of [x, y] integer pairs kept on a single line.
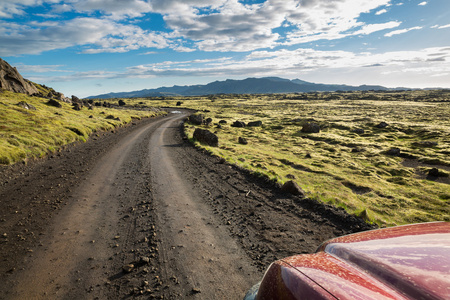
[[90, 47]]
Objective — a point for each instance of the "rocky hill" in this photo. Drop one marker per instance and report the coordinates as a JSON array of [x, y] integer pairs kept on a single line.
[[266, 85], [11, 80]]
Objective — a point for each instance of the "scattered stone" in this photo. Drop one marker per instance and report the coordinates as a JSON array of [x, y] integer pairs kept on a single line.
[[308, 155], [110, 117], [208, 121], [357, 150], [311, 128], [122, 103], [196, 119], [255, 124], [242, 141], [290, 176], [358, 131], [207, 137], [293, 188], [393, 152], [382, 125], [76, 106], [434, 172], [25, 105], [179, 103], [238, 124], [145, 260], [222, 122], [128, 268], [196, 291], [55, 103]]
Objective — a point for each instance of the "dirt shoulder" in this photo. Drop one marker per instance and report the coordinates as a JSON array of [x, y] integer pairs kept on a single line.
[[108, 221]]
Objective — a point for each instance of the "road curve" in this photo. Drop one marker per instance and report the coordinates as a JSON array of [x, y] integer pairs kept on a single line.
[[196, 250], [83, 250]]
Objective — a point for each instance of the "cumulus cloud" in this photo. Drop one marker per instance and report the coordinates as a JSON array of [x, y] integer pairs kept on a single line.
[[423, 3], [101, 35]]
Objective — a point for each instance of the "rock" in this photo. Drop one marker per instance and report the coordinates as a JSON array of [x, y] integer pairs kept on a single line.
[[75, 99], [290, 176], [242, 141], [208, 121], [308, 155], [255, 124], [122, 103], [110, 117], [222, 122], [55, 103], [76, 106], [434, 172], [382, 125], [206, 137], [144, 260], [311, 128], [238, 124], [293, 188], [25, 105], [196, 119], [358, 131], [393, 152], [128, 268], [11, 80], [179, 103]]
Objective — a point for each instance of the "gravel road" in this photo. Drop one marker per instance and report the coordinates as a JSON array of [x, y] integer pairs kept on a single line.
[[139, 212]]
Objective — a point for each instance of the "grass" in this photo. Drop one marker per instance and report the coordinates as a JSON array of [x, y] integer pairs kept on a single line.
[[27, 134], [337, 165]]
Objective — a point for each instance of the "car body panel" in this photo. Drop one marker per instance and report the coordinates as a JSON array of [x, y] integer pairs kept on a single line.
[[404, 262]]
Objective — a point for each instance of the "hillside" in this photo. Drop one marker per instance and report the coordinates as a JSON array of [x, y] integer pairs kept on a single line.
[[266, 85], [36, 120]]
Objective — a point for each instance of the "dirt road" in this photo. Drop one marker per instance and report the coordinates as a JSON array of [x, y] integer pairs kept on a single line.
[[141, 213]]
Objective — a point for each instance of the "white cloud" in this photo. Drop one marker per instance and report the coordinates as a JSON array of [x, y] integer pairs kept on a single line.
[[423, 3], [401, 31], [99, 35], [441, 27], [380, 12], [371, 28]]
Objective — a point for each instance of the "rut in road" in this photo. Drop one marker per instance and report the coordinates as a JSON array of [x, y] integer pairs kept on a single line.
[[197, 252]]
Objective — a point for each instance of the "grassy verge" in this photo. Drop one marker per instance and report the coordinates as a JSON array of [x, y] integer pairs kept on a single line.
[[30, 133], [340, 165]]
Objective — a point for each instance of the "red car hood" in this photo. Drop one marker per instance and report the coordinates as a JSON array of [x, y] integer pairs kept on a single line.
[[405, 262]]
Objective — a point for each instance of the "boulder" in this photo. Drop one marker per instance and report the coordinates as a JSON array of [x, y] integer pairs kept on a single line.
[[238, 124], [179, 103], [255, 124], [208, 121], [55, 103], [11, 80], [76, 106], [393, 152], [242, 141], [196, 119], [293, 188], [311, 128], [382, 125], [25, 105], [122, 103], [206, 137], [434, 172]]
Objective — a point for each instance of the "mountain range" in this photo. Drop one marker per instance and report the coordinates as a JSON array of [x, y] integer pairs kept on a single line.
[[265, 85]]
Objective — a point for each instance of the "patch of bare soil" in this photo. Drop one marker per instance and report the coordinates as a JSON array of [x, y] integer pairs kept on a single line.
[[140, 212], [416, 164]]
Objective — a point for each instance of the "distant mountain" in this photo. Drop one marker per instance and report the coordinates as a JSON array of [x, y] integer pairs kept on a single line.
[[266, 85]]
